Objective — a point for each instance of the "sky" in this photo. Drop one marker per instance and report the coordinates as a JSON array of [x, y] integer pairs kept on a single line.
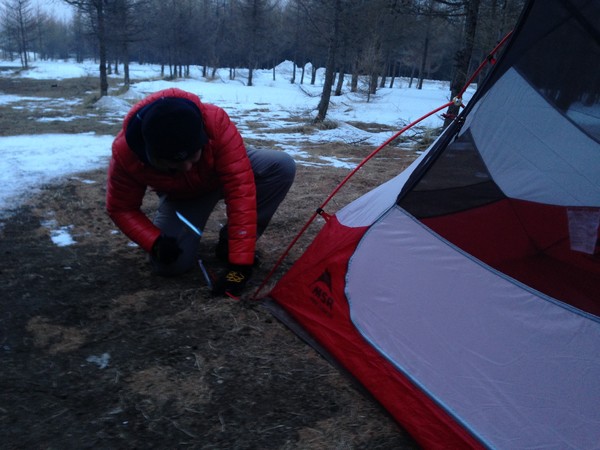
[[30, 161], [56, 8]]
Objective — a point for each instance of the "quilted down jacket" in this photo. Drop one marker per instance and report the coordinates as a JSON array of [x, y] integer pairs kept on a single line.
[[223, 164]]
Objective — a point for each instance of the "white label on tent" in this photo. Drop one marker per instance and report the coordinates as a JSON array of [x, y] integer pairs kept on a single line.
[[583, 229]]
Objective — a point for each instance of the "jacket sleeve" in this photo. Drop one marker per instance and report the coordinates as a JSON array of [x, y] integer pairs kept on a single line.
[[124, 197], [239, 190]]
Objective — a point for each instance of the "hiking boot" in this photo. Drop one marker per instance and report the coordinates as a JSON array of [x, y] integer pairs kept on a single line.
[[233, 281]]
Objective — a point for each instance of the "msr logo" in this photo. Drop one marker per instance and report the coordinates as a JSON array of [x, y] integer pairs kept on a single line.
[[320, 294]]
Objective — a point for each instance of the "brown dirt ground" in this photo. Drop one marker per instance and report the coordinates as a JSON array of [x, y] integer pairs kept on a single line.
[[96, 352]]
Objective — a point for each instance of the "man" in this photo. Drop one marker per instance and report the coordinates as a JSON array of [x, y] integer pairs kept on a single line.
[[192, 155]]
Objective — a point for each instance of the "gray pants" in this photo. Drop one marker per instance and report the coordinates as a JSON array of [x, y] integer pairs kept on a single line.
[[274, 173]]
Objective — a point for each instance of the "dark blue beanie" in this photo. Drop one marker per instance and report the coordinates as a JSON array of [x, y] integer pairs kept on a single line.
[[173, 129]]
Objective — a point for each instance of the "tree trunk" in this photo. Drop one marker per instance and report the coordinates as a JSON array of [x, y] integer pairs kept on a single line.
[[354, 81], [293, 80], [327, 85], [340, 84], [393, 77], [412, 76], [425, 53], [102, 48], [126, 77], [463, 58], [423, 60], [373, 83], [330, 65], [23, 39]]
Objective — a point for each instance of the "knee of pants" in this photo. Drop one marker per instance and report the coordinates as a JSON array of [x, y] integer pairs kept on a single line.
[[274, 168], [287, 167]]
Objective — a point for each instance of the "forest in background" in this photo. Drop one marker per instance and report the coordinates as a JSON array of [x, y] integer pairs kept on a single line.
[[377, 40]]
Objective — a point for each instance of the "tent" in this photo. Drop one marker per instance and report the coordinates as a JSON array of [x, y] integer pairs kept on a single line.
[[464, 294]]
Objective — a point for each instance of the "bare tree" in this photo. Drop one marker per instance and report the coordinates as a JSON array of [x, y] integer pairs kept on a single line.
[[53, 38], [175, 31], [496, 19], [19, 26], [123, 27], [295, 23], [372, 32], [81, 36], [370, 64], [95, 11], [334, 8], [256, 21], [426, 42], [215, 14], [463, 56]]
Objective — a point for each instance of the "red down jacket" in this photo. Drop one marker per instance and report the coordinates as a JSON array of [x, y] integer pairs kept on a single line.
[[224, 164]]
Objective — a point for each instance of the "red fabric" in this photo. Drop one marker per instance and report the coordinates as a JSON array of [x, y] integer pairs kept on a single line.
[[548, 226], [313, 293], [492, 233], [529, 242], [560, 280], [223, 164]]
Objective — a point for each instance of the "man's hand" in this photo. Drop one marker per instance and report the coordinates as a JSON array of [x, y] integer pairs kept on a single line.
[[233, 281], [166, 250]]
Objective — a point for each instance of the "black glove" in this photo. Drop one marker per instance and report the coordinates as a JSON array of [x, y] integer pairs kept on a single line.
[[233, 280], [166, 250]]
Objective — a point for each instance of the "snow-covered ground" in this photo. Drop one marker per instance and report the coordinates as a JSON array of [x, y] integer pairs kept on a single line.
[[32, 160]]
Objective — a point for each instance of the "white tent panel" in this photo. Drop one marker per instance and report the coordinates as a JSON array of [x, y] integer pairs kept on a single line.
[[531, 150], [366, 209], [516, 368]]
